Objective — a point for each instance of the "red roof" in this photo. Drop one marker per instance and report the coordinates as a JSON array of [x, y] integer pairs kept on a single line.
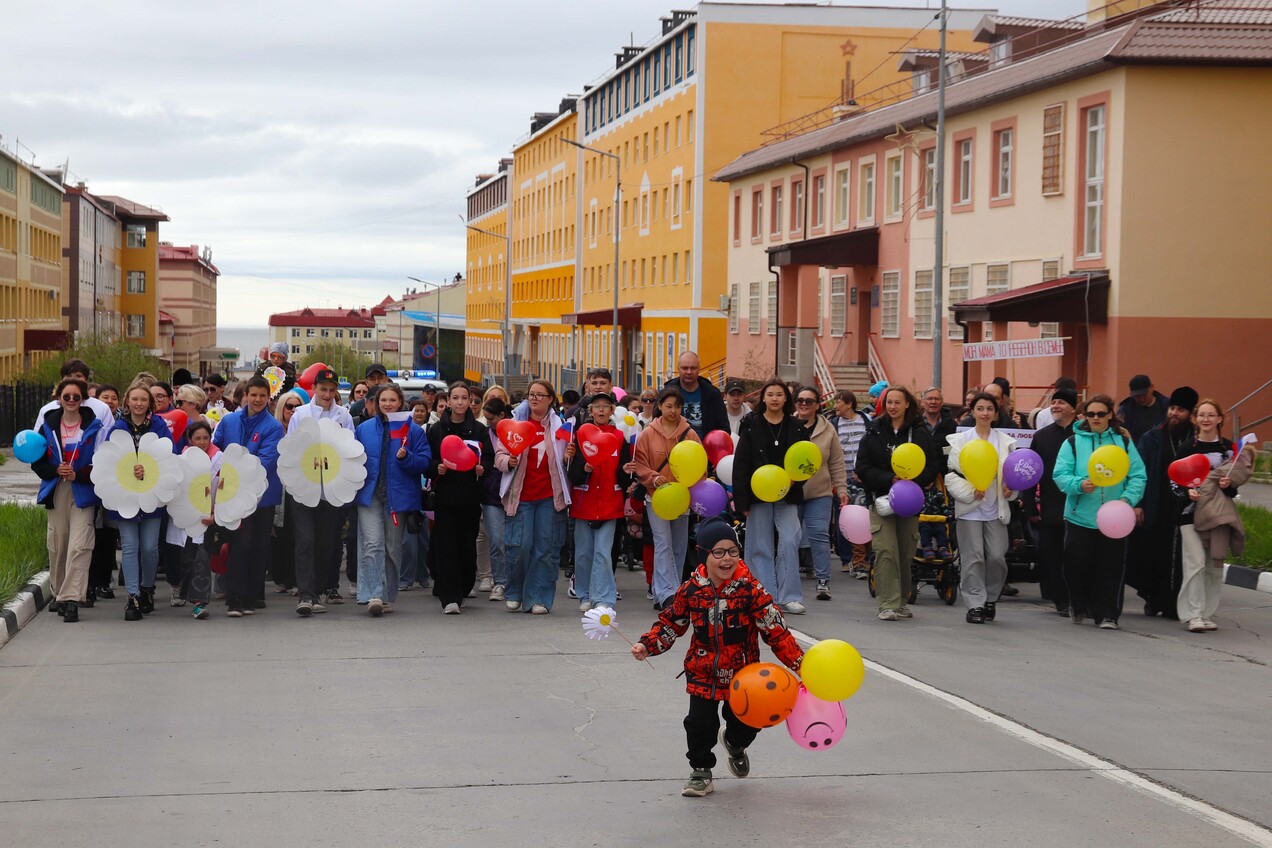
[[357, 318], [132, 209], [181, 253], [165, 318]]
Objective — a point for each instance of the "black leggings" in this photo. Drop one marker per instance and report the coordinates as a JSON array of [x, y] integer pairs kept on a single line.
[[702, 727], [1094, 566], [453, 552]]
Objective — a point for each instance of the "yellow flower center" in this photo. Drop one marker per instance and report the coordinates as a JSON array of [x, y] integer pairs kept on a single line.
[[605, 621]]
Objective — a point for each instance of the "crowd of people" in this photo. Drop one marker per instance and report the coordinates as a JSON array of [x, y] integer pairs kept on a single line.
[[539, 502]]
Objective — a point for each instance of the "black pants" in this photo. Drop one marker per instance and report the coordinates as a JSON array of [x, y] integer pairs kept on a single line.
[[196, 573], [100, 568], [1094, 566], [316, 538], [282, 562], [702, 726], [349, 518], [1155, 566], [1051, 553], [249, 552], [453, 552]]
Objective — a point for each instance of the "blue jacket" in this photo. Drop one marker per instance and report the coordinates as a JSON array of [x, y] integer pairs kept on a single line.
[[402, 490], [260, 434], [46, 466], [160, 428], [1071, 470]]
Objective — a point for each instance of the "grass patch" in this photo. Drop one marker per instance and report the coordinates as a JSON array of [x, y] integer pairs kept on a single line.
[[1258, 527], [23, 547]]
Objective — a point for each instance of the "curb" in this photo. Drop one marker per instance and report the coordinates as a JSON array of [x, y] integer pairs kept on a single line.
[[1247, 578], [30, 599]]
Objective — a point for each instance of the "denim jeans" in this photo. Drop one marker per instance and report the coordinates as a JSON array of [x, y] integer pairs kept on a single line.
[[381, 552], [814, 516], [593, 565], [671, 543], [532, 546], [494, 517], [778, 570], [415, 557], [139, 540]]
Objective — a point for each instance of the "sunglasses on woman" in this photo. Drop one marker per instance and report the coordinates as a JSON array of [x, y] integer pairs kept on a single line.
[[292, 406], [69, 398], [1097, 413], [806, 401]]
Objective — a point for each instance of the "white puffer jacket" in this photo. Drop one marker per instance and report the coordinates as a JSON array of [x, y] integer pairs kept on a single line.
[[963, 492]]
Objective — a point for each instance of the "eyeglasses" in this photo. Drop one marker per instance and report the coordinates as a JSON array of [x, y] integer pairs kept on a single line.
[[538, 396], [806, 401], [719, 553], [647, 400], [1097, 414], [72, 397]]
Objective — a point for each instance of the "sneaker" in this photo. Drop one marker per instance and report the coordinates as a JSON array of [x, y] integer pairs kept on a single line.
[[282, 590], [823, 590], [1075, 616], [317, 607], [944, 555], [407, 588], [376, 607], [585, 606], [794, 608], [90, 598], [738, 761], [929, 555], [991, 610], [146, 600], [618, 596], [174, 600], [1109, 624], [1210, 625], [1010, 591], [512, 606], [698, 784], [334, 597], [234, 613], [200, 611], [1197, 625], [904, 612], [450, 609], [649, 594], [106, 592], [861, 572], [888, 615], [496, 593], [304, 609], [472, 593], [538, 609], [56, 606], [485, 585], [132, 610], [571, 591], [249, 610], [70, 612], [976, 615], [846, 567]]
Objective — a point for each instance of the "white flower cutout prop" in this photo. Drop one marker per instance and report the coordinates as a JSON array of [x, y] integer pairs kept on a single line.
[[118, 486], [321, 461], [598, 623], [193, 500], [238, 487]]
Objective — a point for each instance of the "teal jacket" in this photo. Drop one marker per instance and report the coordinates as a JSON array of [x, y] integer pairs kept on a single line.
[[1071, 470]]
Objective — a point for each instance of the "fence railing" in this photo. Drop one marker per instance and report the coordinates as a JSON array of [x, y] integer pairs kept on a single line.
[[18, 405]]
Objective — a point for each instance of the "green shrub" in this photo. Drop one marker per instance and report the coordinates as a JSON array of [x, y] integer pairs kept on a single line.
[[1258, 528], [23, 548]]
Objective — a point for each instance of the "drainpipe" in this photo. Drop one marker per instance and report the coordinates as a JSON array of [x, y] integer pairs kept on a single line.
[[804, 231], [777, 336]]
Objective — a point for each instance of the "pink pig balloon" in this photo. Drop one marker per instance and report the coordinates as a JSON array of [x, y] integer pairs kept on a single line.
[[816, 724]]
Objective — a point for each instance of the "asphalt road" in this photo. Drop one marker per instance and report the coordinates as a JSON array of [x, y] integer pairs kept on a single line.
[[500, 729]]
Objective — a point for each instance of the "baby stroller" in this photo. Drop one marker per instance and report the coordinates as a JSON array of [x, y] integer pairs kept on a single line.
[[1024, 565], [934, 563]]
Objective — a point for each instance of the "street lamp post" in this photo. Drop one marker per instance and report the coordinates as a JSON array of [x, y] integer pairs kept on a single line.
[[507, 321], [437, 321], [618, 192]]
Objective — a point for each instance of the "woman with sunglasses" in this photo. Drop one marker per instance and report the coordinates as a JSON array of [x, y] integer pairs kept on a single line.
[[191, 400], [358, 392], [648, 408], [71, 431], [821, 491], [1094, 564]]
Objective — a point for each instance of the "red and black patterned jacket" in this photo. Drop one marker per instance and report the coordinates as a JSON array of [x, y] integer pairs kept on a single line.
[[725, 624]]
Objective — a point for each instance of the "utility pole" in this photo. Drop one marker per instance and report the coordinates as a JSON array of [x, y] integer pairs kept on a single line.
[[938, 285], [616, 366]]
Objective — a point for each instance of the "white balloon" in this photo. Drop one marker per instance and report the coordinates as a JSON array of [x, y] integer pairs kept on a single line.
[[724, 470], [734, 437]]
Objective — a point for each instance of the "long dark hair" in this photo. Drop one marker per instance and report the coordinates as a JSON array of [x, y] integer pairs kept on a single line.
[[912, 408], [788, 407], [668, 392], [388, 387]]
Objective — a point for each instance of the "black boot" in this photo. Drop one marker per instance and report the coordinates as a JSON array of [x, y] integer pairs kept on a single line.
[[147, 600], [90, 598], [55, 606], [976, 615], [106, 593], [132, 610], [70, 612], [991, 609]]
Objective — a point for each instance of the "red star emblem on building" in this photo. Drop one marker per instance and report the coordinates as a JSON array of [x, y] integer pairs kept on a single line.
[[849, 48]]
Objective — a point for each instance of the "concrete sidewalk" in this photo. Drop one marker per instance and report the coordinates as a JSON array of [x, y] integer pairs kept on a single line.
[[18, 483]]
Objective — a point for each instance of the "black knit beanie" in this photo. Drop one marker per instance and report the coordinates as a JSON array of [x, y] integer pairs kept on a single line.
[[711, 531]]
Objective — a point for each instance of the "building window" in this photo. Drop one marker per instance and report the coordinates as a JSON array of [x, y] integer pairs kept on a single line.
[[1003, 145], [326, 334], [797, 206], [819, 201], [753, 309], [929, 179], [772, 307], [866, 192], [960, 290], [997, 281], [136, 282], [733, 308], [923, 304], [136, 326], [757, 214], [1050, 271], [340, 334], [1093, 202], [965, 171], [1053, 150], [894, 187], [295, 332], [792, 347], [737, 219], [842, 196], [775, 224], [838, 304], [999, 53], [309, 332], [295, 349], [890, 305], [136, 235], [366, 334]]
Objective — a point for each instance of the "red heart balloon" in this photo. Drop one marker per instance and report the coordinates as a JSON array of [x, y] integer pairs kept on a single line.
[[457, 454], [607, 445], [1189, 471], [306, 380], [718, 445], [588, 433], [177, 422], [515, 435]]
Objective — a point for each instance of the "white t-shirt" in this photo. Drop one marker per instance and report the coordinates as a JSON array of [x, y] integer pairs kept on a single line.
[[735, 420]]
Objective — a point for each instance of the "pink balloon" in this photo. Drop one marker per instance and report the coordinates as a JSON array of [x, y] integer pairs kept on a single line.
[[815, 724], [457, 454], [619, 394], [854, 523], [1116, 519]]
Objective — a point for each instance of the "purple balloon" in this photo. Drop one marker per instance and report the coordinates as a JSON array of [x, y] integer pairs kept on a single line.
[[707, 497], [907, 498], [1022, 469]]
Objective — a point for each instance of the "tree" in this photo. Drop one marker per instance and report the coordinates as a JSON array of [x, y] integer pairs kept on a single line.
[[113, 361], [344, 360]]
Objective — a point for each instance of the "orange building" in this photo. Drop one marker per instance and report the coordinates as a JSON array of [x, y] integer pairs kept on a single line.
[[139, 268]]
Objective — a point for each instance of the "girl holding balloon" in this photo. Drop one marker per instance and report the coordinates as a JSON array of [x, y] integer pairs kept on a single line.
[[461, 453], [767, 495], [982, 507], [1103, 477], [828, 483]]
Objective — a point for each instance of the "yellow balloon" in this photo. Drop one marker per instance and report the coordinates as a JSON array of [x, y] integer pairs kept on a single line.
[[670, 501], [1108, 465], [908, 461], [979, 462], [802, 460], [688, 461], [770, 483], [832, 670]]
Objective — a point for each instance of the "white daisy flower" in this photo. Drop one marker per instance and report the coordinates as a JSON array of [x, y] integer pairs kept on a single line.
[[117, 485], [321, 461], [240, 485], [193, 500]]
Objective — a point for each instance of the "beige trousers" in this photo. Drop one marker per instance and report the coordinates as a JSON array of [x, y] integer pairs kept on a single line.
[[70, 542]]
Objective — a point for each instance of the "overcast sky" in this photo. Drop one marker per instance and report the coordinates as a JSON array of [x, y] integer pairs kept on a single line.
[[321, 148]]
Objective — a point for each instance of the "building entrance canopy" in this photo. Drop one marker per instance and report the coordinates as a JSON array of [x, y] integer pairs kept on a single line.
[[1080, 298], [842, 250]]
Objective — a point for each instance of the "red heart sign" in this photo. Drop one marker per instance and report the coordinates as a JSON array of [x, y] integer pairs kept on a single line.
[[515, 435]]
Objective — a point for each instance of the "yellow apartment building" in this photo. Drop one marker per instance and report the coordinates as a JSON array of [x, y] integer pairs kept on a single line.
[[139, 268], [31, 327], [487, 273], [717, 81]]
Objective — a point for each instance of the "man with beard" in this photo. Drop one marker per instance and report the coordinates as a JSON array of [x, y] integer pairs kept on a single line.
[[1153, 555]]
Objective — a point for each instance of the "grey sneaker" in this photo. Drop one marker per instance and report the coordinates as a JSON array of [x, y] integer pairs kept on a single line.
[[375, 607], [823, 590], [512, 606], [698, 784], [794, 608], [904, 612], [1109, 624], [497, 593], [317, 607], [888, 615], [739, 762], [305, 609], [485, 585], [450, 609]]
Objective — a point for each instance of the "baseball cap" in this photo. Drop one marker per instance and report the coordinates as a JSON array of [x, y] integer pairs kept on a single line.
[[734, 386], [430, 388], [376, 368], [326, 375], [605, 396], [1140, 384]]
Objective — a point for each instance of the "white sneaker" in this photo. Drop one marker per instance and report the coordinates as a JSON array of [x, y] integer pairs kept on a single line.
[[450, 609], [585, 606], [513, 606], [1210, 625], [472, 593], [794, 608], [174, 600], [538, 609], [1196, 625], [497, 593], [485, 585], [888, 615], [375, 606]]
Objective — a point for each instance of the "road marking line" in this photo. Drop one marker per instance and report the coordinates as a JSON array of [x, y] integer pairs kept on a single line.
[[1235, 825]]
